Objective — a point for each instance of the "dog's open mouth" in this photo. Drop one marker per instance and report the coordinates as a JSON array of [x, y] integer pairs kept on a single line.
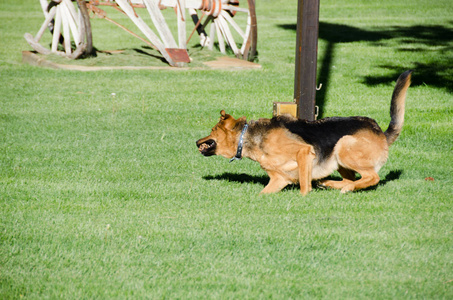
[[207, 148]]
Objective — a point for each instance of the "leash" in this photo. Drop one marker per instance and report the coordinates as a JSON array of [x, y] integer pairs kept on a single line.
[[238, 155]]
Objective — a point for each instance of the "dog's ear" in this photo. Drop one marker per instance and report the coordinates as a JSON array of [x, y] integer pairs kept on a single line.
[[228, 121], [224, 115]]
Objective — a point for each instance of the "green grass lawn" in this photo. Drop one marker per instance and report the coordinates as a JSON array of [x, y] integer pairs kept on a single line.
[[107, 197]]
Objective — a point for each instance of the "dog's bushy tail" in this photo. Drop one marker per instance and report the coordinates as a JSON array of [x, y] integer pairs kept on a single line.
[[397, 107]]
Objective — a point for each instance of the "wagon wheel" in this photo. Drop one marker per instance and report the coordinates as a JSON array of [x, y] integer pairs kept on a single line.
[[233, 24], [70, 27]]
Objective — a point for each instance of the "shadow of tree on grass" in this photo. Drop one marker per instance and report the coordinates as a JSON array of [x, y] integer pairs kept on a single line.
[[435, 41]]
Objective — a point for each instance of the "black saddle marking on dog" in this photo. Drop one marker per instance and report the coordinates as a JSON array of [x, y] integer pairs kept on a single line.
[[324, 134]]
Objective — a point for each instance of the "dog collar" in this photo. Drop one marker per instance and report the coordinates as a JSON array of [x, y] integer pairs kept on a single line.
[[240, 144]]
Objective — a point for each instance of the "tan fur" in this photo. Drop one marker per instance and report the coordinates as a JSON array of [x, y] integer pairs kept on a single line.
[[365, 153], [284, 157]]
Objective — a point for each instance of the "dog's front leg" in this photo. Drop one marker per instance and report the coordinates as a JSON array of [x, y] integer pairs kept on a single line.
[[305, 158], [276, 183]]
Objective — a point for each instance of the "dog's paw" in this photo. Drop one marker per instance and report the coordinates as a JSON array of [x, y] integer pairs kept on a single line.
[[322, 184], [347, 188], [333, 184], [305, 192]]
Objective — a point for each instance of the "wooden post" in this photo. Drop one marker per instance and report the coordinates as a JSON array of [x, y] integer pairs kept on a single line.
[[306, 58]]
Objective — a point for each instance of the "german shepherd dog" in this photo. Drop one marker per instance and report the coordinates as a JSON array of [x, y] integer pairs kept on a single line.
[[292, 150]]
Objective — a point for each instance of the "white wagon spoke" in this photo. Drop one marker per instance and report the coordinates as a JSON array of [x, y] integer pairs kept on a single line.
[[227, 34], [44, 26], [211, 34], [230, 20], [235, 8], [56, 30], [219, 36], [247, 34], [66, 35]]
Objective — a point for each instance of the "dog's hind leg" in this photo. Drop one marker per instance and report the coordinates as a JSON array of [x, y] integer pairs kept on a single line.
[[276, 183], [364, 153], [305, 158], [369, 178], [348, 177]]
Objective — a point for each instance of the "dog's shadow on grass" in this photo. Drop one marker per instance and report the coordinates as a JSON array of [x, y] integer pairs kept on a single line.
[[240, 178], [392, 175], [263, 180]]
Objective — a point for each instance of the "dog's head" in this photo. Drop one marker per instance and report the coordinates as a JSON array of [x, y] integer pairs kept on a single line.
[[223, 139]]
